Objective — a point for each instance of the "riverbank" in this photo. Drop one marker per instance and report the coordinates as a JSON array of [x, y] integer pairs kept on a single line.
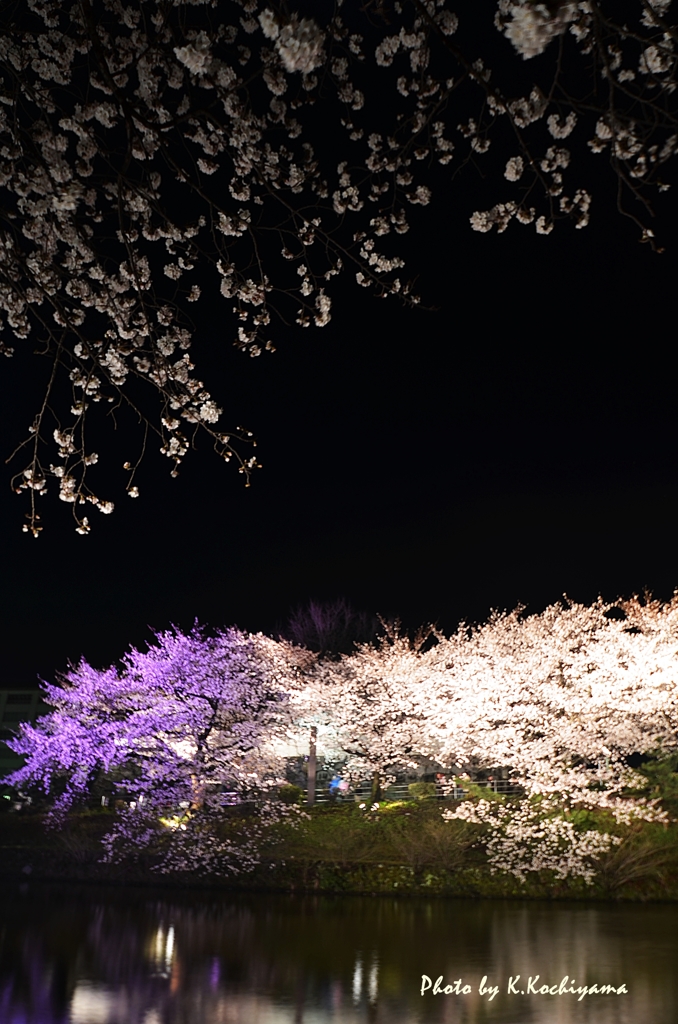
[[401, 849]]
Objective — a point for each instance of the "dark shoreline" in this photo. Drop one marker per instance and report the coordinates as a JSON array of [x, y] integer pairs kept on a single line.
[[31, 853], [223, 887]]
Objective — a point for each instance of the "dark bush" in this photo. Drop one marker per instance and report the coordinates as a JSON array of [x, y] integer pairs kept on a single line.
[[290, 794]]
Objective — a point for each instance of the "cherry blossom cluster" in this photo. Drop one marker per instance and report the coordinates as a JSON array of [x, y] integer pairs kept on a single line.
[[562, 698], [635, 126], [196, 845], [153, 152], [530, 838], [147, 152]]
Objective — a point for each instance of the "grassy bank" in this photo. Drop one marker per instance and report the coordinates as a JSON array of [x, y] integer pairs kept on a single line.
[[403, 848]]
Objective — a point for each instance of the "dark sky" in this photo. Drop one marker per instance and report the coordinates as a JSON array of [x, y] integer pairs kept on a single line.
[[518, 443]]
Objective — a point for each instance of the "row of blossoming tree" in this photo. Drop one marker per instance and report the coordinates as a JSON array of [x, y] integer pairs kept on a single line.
[[562, 699]]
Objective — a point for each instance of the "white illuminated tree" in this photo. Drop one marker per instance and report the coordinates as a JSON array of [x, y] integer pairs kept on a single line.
[[560, 699], [563, 698]]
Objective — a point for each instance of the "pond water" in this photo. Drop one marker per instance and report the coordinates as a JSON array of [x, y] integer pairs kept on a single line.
[[78, 955]]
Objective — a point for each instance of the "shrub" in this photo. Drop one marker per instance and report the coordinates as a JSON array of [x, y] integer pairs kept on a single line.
[[422, 790], [290, 794]]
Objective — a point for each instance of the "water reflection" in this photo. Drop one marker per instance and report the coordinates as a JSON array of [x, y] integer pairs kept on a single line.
[[94, 956]]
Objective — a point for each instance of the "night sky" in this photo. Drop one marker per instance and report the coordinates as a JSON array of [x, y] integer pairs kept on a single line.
[[515, 444]]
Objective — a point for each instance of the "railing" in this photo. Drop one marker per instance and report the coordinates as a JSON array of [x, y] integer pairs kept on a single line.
[[400, 791], [362, 793]]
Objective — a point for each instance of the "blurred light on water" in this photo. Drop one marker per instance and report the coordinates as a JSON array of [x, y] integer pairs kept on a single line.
[[97, 956]]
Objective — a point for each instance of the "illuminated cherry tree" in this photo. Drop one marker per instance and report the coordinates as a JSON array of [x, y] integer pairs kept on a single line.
[[563, 697], [158, 151], [183, 724], [560, 699], [375, 706]]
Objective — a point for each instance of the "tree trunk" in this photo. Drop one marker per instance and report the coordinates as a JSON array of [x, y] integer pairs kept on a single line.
[[310, 797], [376, 788]]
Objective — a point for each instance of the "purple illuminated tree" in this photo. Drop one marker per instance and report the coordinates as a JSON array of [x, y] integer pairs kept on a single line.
[[184, 720]]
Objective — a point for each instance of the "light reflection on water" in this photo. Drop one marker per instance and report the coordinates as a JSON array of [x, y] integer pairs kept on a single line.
[[105, 956]]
